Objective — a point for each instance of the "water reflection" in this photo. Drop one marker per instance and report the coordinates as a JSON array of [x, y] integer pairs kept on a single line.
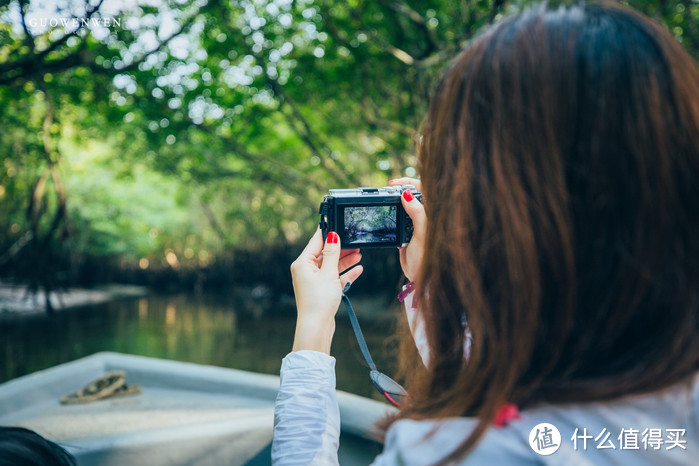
[[216, 330]]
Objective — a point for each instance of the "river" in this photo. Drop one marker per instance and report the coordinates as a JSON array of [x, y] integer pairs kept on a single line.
[[210, 329]]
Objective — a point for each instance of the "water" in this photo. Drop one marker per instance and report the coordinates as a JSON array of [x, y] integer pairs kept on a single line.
[[222, 331], [365, 237]]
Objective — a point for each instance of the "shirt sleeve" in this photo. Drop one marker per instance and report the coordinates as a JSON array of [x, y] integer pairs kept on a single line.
[[306, 413], [417, 325], [415, 321]]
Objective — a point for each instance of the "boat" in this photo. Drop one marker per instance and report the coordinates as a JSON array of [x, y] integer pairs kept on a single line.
[[185, 414]]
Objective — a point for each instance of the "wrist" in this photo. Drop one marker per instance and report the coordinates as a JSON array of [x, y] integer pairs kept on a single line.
[[314, 335]]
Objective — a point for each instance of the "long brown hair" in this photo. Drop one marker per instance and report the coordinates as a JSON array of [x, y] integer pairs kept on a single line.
[[560, 171]]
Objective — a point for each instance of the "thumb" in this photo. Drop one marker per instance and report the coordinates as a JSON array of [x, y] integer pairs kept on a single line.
[[416, 211], [331, 254]]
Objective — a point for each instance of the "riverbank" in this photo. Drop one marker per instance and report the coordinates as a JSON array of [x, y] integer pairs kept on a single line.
[[16, 300]]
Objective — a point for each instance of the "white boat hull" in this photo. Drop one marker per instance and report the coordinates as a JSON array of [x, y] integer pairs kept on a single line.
[[187, 414]]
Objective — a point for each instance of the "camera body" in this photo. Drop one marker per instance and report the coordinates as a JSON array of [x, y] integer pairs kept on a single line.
[[367, 217]]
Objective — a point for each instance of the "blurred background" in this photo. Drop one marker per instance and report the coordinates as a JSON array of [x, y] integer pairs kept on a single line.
[[185, 146]]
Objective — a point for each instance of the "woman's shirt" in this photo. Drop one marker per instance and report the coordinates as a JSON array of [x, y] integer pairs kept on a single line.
[[660, 428]]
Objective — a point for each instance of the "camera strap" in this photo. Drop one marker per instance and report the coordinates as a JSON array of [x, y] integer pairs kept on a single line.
[[388, 387]]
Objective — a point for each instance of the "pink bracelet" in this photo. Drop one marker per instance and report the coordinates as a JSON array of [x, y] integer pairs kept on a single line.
[[407, 289]]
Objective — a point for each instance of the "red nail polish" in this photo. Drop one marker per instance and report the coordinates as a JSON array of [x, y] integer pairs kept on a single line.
[[333, 238], [408, 195]]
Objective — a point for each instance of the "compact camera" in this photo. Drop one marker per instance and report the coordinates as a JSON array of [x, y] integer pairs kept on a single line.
[[367, 217]]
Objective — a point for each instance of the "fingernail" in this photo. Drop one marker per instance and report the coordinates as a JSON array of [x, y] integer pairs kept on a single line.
[[408, 195], [333, 238]]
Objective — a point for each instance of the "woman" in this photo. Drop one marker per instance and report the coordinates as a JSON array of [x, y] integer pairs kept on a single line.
[[560, 175]]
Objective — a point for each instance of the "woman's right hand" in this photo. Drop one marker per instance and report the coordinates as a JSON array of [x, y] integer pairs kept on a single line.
[[318, 289], [411, 256]]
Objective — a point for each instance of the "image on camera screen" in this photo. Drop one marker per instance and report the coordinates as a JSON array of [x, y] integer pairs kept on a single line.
[[374, 224]]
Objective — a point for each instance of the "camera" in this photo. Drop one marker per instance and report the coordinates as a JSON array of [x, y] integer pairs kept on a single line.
[[367, 217]]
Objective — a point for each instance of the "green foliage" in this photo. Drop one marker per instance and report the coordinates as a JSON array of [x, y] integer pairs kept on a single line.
[[196, 127]]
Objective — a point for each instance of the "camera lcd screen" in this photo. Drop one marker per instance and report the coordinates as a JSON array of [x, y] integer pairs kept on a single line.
[[369, 225]]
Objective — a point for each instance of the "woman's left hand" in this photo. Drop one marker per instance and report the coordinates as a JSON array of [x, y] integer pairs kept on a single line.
[[318, 289], [411, 256]]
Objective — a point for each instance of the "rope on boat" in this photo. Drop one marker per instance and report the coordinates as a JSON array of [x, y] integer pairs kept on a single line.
[[111, 384]]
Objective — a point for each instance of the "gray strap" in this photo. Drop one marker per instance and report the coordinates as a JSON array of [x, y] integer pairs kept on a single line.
[[357, 330]]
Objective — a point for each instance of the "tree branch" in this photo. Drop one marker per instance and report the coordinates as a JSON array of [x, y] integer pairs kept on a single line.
[[213, 222], [29, 67], [372, 116], [288, 174], [59, 65], [406, 10], [28, 38], [441, 55], [497, 6], [306, 133], [33, 58], [300, 124], [13, 250], [59, 215], [134, 64]]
